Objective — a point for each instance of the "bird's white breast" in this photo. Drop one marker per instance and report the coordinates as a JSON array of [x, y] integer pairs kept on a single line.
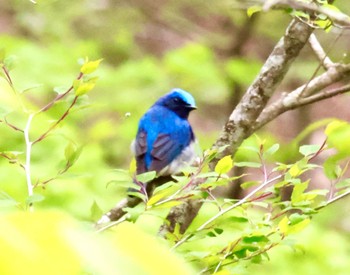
[[186, 158]]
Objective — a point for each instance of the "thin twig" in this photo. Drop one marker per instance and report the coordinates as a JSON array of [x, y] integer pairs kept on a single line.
[[53, 126], [7, 74], [224, 211], [12, 126], [333, 200], [60, 96], [320, 53], [111, 224], [27, 166]]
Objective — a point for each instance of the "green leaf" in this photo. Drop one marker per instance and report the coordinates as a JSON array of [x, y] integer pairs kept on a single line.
[[249, 184], [146, 177], [6, 200], [224, 165], [296, 228], [343, 183], [10, 62], [338, 133], [169, 204], [161, 194], [295, 171], [164, 186], [125, 183], [253, 9], [273, 149], [308, 150], [60, 90], [255, 238], [95, 211], [72, 152], [84, 88], [331, 168], [134, 212], [34, 198], [218, 231], [298, 191], [248, 164], [90, 66], [237, 219], [283, 225]]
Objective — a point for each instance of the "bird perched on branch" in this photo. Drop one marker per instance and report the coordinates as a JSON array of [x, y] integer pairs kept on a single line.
[[165, 141]]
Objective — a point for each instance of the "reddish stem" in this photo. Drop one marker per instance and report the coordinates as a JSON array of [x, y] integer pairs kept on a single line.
[[53, 126], [58, 97]]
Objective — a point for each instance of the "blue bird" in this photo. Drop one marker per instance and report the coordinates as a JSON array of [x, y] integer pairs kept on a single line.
[[165, 141]]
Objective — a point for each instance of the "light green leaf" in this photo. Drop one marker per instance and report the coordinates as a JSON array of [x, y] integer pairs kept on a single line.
[[146, 177], [273, 149], [248, 164], [10, 62], [283, 225], [34, 198], [295, 171], [253, 9], [90, 66], [6, 200], [168, 204], [298, 191], [72, 152], [296, 228], [308, 150], [95, 211], [249, 184], [224, 165], [60, 90], [84, 88]]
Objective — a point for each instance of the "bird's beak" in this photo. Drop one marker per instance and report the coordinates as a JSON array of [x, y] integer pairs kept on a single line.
[[191, 107]]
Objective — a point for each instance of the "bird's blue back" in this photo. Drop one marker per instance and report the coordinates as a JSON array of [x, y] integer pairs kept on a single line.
[[162, 136]]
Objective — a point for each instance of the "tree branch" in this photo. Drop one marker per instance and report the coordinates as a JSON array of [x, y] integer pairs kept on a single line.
[[337, 17], [254, 101], [301, 95], [319, 52]]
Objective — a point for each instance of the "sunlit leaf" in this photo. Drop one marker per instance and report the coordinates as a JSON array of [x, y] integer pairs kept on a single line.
[[146, 177], [96, 211], [6, 200], [248, 164], [296, 228], [224, 165], [60, 90], [249, 184], [253, 9], [34, 198], [90, 66], [295, 171], [283, 225], [273, 149], [308, 150]]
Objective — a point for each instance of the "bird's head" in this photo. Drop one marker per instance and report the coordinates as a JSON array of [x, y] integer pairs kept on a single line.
[[179, 101]]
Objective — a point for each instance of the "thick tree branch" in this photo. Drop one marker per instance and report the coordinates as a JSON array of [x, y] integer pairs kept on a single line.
[[254, 101], [302, 95]]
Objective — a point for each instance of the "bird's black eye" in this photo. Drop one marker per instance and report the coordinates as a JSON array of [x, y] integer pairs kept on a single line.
[[176, 100]]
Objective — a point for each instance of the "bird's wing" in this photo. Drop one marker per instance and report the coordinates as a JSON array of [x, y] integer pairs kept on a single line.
[[140, 148], [164, 150]]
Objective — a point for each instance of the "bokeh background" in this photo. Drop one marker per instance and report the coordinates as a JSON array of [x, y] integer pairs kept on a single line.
[[209, 48]]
